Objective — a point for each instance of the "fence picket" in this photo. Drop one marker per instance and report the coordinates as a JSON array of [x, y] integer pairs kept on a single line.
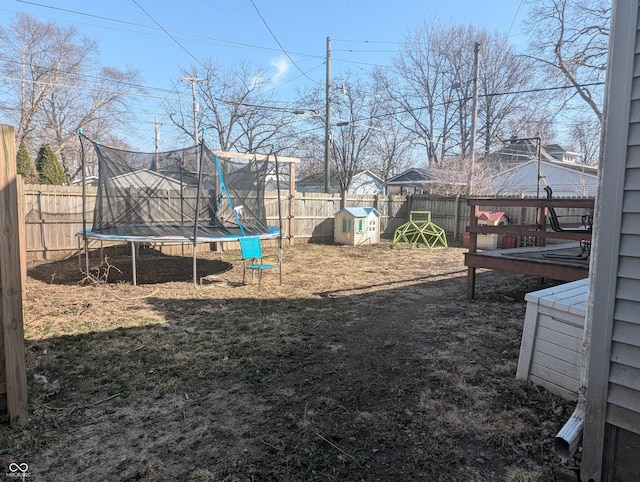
[[54, 215]]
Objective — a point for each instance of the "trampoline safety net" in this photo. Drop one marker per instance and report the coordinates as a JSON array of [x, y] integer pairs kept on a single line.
[[157, 194]]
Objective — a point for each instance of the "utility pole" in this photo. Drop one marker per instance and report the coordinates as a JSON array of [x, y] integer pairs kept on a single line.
[[474, 116], [196, 107], [193, 81], [327, 125], [157, 141]]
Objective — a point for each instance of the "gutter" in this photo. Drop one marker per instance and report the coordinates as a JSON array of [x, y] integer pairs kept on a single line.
[[569, 437]]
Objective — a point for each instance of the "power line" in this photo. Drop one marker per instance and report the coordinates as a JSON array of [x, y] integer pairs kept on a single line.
[[279, 44], [168, 34], [173, 33], [464, 99], [514, 17], [368, 41]]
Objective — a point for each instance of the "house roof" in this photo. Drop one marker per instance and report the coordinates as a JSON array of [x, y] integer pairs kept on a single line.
[[144, 178], [360, 212], [318, 179], [491, 216], [516, 151], [415, 175], [364, 182], [370, 174]]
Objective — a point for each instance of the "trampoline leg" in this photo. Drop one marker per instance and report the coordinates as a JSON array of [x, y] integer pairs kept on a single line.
[[79, 254], [133, 262]]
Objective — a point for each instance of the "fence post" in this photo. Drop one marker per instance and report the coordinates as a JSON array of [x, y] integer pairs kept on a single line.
[[11, 269], [292, 203]]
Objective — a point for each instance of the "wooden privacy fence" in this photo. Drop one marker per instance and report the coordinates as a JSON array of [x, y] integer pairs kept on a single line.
[[13, 375], [54, 216]]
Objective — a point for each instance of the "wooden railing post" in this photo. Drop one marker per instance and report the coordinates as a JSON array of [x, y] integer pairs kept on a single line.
[[473, 246], [11, 270]]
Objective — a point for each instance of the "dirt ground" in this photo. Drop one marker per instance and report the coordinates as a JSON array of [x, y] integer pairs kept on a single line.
[[364, 364]]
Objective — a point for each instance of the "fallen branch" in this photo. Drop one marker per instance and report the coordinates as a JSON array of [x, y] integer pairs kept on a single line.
[[99, 274], [92, 404], [335, 446]]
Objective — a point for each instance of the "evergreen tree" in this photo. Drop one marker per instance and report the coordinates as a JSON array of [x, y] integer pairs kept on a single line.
[[49, 169], [25, 164]]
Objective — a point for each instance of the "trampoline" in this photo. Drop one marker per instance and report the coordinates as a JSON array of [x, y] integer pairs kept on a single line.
[[189, 196], [135, 240]]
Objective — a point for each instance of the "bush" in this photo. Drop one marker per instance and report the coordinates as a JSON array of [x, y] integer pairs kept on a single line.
[[24, 162], [49, 169]]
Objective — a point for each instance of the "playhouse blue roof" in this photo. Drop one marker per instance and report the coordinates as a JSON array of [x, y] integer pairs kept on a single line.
[[361, 212]]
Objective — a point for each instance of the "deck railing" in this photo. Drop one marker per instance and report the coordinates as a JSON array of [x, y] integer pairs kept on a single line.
[[538, 232]]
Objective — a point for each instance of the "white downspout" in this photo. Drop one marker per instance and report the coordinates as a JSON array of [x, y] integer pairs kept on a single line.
[[570, 435]]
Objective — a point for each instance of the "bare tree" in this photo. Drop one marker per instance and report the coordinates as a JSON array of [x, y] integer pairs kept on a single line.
[[309, 148], [392, 149], [425, 90], [529, 123], [507, 89], [100, 108], [435, 87], [54, 86], [570, 38], [31, 65], [390, 154], [452, 175], [357, 115], [236, 107], [585, 132]]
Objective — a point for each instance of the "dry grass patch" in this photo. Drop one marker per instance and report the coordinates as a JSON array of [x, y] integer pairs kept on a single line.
[[367, 363]]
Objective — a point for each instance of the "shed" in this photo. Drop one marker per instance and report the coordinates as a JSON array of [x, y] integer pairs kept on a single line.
[[355, 226]]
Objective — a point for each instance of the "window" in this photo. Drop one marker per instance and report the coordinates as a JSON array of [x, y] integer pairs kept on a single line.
[[346, 225], [360, 226]]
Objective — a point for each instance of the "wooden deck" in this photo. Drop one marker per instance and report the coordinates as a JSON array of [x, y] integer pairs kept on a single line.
[[532, 261], [563, 264]]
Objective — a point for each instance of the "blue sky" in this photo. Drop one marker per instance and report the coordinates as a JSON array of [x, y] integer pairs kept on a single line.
[[159, 37]]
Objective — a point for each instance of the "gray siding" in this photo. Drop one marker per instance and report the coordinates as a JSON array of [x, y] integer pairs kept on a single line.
[[623, 399], [613, 384]]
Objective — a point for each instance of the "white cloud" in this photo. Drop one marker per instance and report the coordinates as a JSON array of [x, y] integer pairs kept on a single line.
[[282, 66]]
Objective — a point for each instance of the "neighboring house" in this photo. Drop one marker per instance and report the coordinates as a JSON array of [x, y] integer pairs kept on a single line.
[[315, 183], [517, 151], [143, 179], [366, 182], [412, 181], [272, 183], [355, 226], [611, 434], [363, 182], [89, 181], [524, 180], [561, 154]]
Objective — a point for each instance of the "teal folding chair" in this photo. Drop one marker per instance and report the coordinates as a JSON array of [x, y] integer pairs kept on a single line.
[[252, 258]]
